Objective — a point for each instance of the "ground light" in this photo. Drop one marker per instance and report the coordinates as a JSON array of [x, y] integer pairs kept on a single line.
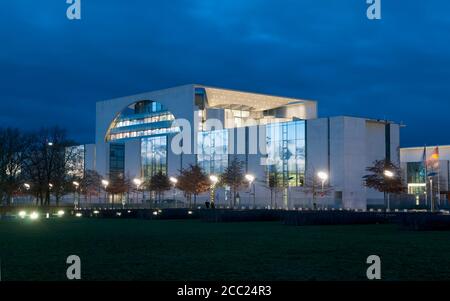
[[60, 213], [34, 215], [22, 214], [78, 214]]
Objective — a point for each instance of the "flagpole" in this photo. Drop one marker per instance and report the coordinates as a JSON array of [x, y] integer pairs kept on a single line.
[[425, 163], [439, 177]]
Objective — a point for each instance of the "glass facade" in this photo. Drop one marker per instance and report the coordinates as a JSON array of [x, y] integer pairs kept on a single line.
[[116, 160], [286, 151], [153, 155], [416, 177], [213, 151], [144, 118], [415, 172]]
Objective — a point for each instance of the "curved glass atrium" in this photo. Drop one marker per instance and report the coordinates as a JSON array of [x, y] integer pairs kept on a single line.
[[142, 119]]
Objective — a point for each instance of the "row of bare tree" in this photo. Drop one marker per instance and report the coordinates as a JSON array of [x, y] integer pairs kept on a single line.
[[41, 163], [46, 163]]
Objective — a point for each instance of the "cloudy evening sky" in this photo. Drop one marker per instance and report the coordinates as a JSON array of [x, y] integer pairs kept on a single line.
[[52, 70]]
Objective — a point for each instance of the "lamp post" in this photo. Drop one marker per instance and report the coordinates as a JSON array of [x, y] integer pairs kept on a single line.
[[138, 183], [75, 194], [27, 188], [389, 175], [251, 180], [214, 180], [174, 182], [430, 177], [105, 184], [431, 194], [323, 176]]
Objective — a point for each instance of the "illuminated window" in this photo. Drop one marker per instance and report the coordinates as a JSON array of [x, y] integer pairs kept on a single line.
[[116, 160], [286, 151], [141, 119], [213, 151], [415, 172], [153, 155]]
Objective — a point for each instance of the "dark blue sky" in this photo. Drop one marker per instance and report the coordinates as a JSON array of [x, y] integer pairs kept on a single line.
[[52, 70]]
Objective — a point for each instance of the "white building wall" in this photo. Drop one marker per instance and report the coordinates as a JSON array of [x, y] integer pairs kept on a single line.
[[179, 102], [415, 154], [89, 157], [342, 146], [376, 150]]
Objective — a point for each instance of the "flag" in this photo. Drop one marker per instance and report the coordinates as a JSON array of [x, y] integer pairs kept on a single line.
[[424, 163], [433, 161]]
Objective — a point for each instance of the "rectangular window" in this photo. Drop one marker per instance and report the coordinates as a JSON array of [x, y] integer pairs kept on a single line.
[[286, 151], [213, 151], [116, 160], [153, 155], [415, 172]]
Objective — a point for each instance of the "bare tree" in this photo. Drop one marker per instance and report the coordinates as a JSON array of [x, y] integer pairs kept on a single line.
[[193, 181], [14, 146], [159, 183], [118, 187], [315, 187], [234, 177], [274, 184], [90, 184], [379, 180], [50, 164]]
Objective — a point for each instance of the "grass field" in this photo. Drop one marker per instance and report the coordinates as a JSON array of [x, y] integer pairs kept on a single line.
[[113, 249]]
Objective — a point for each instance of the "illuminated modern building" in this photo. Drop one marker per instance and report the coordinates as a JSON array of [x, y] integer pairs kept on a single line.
[[422, 178], [271, 135]]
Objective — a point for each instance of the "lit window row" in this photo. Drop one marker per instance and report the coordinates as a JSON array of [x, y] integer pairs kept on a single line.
[[142, 133], [152, 119]]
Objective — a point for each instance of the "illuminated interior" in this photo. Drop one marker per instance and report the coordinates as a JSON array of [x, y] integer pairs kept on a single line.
[[141, 119]]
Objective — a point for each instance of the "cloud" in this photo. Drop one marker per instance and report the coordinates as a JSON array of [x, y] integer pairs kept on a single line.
[[53, 70]]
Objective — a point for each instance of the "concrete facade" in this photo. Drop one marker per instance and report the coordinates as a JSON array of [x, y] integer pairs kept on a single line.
[[412, 162], [343, 147]]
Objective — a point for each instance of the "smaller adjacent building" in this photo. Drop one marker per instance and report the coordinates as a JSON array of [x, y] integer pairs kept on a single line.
[[426, 172]]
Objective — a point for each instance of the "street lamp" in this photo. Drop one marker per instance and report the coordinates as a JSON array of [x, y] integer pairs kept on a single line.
[[389, 175], [27, 188], [214, 180], [430, 177], [138, 183], [174, 182], [105, 184], [323, 176], [75, 201], [251, 179]]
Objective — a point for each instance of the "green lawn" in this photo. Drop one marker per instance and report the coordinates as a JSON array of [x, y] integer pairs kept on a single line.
[[113, 249]]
